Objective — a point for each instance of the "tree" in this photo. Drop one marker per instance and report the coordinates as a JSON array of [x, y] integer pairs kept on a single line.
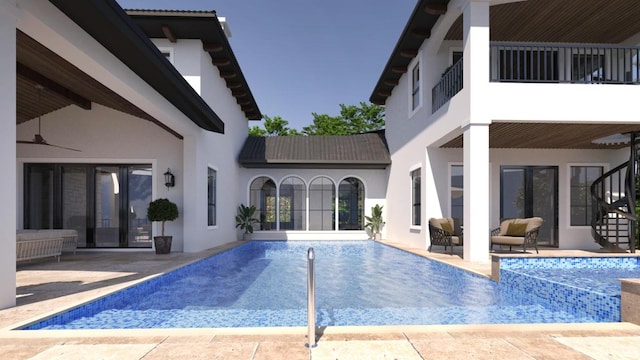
[[273, 126], [352, 120]]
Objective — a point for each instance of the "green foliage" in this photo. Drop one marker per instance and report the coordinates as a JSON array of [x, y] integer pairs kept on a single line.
[[162, 210], [352, 120], [374, 222], [245, 219], [273, 126]]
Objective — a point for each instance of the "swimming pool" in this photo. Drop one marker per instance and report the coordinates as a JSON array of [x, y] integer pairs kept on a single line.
[[263, 284], [587, 283]]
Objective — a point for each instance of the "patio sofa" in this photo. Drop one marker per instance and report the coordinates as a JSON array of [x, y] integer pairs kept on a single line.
[[517, 232], [34, 244], [445, 232]]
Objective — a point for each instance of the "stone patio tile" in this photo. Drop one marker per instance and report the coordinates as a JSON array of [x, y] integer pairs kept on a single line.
[[193, 339], [211, 351], [362, 336], [543, 347], [281, 350], [480, 349], [613, 347], [21, 351], [99, 351], [370, 350], [115, 340]]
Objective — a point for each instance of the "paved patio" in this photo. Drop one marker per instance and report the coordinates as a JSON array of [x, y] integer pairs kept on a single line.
[[47, 287]]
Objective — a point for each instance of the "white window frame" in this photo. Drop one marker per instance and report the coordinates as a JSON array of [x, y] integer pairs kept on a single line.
[[605, 168], [215, 198], [416, 64], [413, 226]]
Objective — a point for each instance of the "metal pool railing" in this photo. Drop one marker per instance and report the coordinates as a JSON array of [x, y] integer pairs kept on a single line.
[[311, 301]]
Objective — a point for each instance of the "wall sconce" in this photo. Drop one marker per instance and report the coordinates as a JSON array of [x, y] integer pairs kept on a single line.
[[169, 179]]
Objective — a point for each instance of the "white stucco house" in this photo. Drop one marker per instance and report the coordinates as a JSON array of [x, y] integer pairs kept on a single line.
[[494, 109], [498, 109]]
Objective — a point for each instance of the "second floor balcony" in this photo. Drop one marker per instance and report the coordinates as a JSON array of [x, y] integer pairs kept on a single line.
[[549, 63]]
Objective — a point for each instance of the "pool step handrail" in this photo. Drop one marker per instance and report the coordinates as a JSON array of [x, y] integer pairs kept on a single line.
[[311, 301]]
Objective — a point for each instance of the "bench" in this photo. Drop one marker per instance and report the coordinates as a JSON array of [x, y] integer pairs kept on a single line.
[[35, 244]]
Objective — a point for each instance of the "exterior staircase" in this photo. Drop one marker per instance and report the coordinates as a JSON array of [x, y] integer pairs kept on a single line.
[[613, 200]]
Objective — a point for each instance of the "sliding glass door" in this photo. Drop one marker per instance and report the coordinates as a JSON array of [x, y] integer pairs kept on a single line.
[[527, 191], [106, 204]]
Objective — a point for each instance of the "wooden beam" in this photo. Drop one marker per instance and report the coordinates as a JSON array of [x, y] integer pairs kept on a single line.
[[228, 74], [384, 93], [399, 69], [421, 33], [238, 93], [212, 47], [234, 84], [30, 74], [168, 33], [220, 61], [391, 82], [409, 53], [435, 9], [247, 108], [242, 101]]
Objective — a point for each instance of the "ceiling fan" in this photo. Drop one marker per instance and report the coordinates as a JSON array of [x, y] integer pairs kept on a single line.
[[38, 139]]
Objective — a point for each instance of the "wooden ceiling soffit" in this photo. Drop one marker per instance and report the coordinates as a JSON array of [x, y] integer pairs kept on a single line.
[[435, 9], [234, 84], [168, 33], [399, 69], [243, 101], [212, 47], [38, 78], [384, 93]]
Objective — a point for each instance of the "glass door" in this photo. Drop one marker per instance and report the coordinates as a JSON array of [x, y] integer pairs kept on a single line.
[[527, 191], [107, 206], [139, 194]]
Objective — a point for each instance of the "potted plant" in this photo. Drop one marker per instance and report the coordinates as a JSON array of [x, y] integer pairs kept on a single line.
[[245, 220], [374, 222], [162, 210]]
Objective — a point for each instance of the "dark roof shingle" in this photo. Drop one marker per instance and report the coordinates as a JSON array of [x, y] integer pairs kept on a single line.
[[364, 151]]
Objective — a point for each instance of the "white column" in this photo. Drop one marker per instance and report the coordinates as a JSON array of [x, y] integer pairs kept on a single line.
[[476, 131], [8, 217]]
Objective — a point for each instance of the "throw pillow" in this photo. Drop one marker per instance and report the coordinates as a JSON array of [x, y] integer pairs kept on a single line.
[[446, 226], [516, 229]]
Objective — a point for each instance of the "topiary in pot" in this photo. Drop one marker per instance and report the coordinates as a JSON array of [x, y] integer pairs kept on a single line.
[[162, 210]]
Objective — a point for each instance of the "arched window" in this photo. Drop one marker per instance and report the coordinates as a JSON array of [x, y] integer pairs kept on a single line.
[[293, 204], [351, 204], [322, 204], [263, 196]]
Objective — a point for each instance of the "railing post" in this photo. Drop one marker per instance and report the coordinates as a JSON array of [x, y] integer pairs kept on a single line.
[[311, 301], [633, 169]]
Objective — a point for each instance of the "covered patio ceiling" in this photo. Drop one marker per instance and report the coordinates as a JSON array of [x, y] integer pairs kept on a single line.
[[63, 85], [511, 135]]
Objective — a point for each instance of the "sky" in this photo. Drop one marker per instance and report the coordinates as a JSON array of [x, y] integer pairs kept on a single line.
[[305, 56]]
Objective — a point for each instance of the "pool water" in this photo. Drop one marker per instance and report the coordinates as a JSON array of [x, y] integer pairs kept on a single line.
[[263, 284]]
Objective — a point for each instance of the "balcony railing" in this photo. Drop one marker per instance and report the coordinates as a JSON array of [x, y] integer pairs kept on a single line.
[[450, 84], [548, 63], [564, 63]]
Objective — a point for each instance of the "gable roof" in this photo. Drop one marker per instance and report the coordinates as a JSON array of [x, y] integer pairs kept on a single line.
[[106, 22], [205, 26], [362, 151], [417, 29]]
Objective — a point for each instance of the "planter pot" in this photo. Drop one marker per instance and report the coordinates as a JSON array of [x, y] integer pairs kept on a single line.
[[246, 237], [162, 244], [377, 237]]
